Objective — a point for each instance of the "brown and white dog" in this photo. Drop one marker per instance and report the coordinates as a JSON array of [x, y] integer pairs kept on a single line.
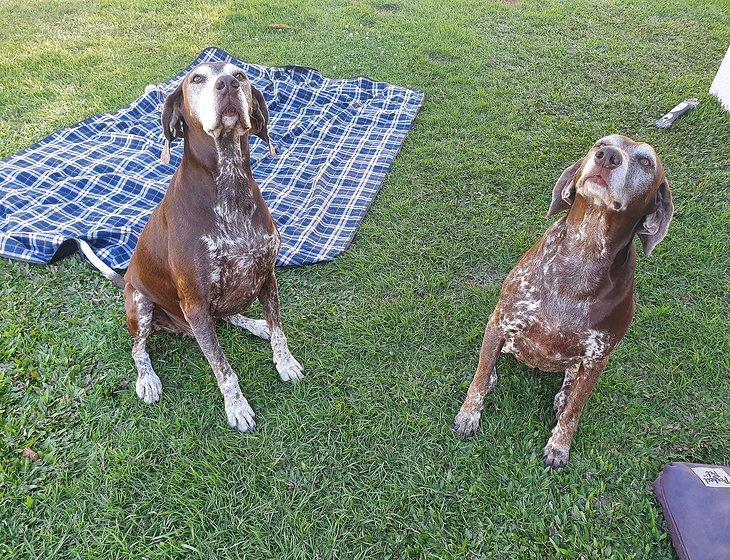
[[209, 248], [569, 300]]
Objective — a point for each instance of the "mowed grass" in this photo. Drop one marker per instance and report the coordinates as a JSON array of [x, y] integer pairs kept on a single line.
[[359, 461]]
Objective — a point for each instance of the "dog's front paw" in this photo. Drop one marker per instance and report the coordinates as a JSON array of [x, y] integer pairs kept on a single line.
[[556, 455], [240, 415], [149, 388], [466, 423], [288, 367]]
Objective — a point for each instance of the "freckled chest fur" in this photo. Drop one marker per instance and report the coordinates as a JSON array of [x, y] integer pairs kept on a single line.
[[242, 242], [565, 300]]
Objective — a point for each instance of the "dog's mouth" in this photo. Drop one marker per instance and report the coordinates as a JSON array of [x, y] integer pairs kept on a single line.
[[595, 186], [230, 111], [596, 179], [232, 115]]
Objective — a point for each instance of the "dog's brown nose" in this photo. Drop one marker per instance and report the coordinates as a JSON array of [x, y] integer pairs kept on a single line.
[[608, 157], [226, 83]]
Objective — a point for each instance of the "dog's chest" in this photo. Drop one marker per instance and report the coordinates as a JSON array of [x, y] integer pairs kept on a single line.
[[241, 255], [546, 322]]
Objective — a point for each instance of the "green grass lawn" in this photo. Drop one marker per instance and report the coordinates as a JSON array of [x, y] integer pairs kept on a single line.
[[359, 461]]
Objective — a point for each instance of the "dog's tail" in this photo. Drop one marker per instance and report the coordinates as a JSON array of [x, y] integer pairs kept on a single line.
[[108, 273]]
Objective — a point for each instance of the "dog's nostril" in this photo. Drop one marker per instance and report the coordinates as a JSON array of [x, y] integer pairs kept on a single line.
[[235, 84], [617, 206], [220, 85], [600, 154]]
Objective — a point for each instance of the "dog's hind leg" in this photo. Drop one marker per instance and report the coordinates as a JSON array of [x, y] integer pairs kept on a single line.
[[467, 420], [288, 367], [257, 327], [562, 396], [139, 320]]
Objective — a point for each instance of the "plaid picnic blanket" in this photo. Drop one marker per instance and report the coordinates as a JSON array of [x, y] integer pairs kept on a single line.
[[99, 180]]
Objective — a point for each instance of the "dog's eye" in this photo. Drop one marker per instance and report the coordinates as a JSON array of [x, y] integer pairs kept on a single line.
[[240, 76], [197, 79], [645, 162], [599, 145]]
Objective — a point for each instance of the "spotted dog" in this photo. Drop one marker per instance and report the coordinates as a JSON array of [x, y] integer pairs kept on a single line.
[[569, 300], [209, 248]]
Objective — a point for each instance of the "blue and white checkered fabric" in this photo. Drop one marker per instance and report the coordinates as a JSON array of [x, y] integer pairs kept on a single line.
[[99, 180]]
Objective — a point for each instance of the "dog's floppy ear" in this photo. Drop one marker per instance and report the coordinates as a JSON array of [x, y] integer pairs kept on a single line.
[[172, 121], [653, 228], [564, 190], [260, 119]]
